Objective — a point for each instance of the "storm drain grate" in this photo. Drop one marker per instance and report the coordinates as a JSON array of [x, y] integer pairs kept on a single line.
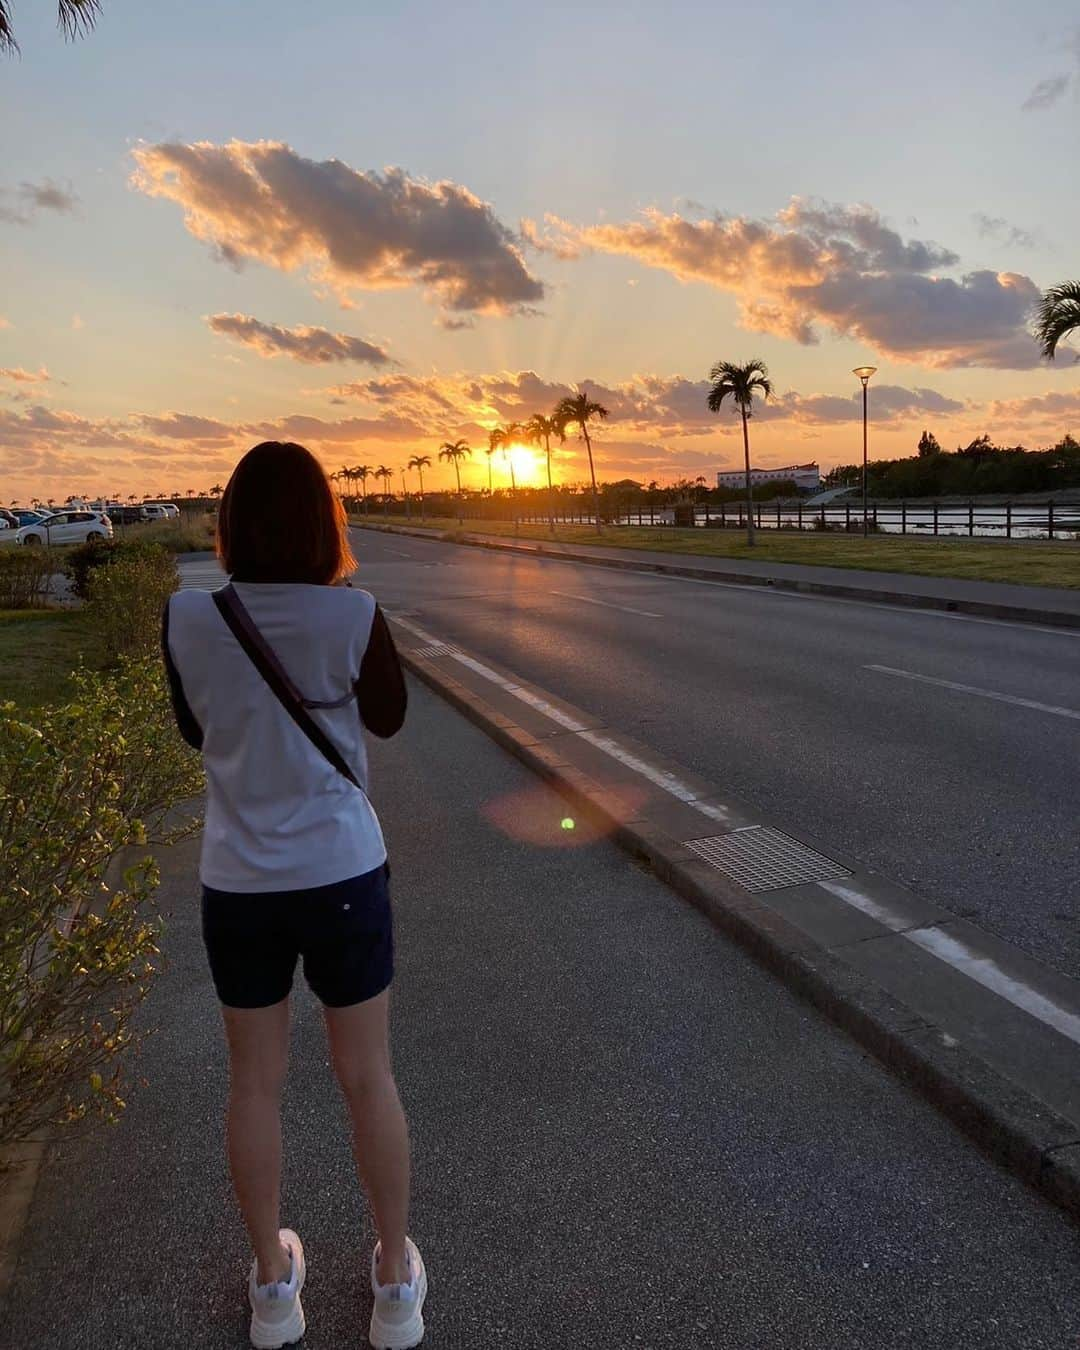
[[760, 859], [435, 649]]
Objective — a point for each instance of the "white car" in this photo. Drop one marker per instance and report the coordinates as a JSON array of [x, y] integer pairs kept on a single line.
[[152, 511], [165, 508], [66, 527], [8, 532]]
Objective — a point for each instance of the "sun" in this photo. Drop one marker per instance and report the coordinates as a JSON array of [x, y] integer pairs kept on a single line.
[[527, 465]]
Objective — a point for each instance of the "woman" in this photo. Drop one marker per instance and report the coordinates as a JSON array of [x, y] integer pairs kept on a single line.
[[274, 678]]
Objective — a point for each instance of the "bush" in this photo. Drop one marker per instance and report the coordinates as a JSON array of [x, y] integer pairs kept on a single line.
[[77, 786], [83, 560], [125, 600], [24, 576]]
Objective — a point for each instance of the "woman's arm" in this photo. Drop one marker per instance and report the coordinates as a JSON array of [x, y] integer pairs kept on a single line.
[[185, 718], [380, 690]]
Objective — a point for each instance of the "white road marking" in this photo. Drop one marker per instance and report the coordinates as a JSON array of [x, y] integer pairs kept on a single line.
[[668, 781], [985, 971], [1073, 713], [607, 604], [876, 910]]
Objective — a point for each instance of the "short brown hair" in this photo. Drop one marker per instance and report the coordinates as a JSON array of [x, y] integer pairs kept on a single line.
[[279, 519]]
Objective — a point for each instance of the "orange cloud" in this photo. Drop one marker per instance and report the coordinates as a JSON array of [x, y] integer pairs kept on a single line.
[[262, 201], [820, 266]]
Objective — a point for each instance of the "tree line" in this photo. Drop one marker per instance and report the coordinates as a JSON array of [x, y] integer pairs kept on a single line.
[[978, 467]]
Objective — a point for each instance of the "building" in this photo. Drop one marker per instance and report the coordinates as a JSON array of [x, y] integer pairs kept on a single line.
[[806, 477]]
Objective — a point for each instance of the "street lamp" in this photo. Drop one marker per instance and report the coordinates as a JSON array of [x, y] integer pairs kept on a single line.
[[864, 373]]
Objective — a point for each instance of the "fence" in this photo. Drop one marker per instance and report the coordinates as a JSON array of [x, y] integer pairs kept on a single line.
[[1047, 520]]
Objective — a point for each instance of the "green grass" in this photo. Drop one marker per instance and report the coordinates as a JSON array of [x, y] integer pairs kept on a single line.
[[39, 648], [1033, 563]]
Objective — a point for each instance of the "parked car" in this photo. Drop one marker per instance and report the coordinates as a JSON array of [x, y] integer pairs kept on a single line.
[[9, 526], [170, 508], [152, 511], [66, 527], [9, 518], [25, 516]]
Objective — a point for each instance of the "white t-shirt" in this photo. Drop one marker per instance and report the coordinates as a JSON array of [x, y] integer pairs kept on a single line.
[[279, 816]]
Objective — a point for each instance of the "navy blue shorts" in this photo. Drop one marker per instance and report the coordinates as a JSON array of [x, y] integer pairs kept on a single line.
[[344, 933]]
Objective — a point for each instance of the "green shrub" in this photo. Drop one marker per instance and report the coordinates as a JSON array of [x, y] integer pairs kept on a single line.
[[125, 600], [78, 785], [24, 576]]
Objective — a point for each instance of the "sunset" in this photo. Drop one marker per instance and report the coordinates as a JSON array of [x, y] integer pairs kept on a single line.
[[539, 719], [192, 262]]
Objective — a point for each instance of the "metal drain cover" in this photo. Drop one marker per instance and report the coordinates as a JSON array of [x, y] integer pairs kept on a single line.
[[434, 649], [761, 859]]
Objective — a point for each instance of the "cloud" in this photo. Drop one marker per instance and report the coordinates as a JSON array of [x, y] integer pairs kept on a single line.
[[21, 376], [21, 205], [312, 346], [644, 406], [838, 268], [349, 229], [997, 227], [1046, 93], [1054, 406]]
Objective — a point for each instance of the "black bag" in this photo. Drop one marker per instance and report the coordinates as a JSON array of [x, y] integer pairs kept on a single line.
[[270, 668]]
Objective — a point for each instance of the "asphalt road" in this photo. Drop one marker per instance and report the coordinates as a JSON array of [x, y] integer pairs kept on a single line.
[[625, 1134], [967, 794]]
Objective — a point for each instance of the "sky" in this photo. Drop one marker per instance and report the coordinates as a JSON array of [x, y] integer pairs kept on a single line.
[[373, 228]]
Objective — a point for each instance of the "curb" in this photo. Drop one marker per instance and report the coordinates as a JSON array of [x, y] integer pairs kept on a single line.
[[20, 1167], [1009, 1124], [1049, 618]]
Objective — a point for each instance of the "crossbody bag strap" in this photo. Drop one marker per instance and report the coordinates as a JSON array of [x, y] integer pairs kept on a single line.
[[262, 657]]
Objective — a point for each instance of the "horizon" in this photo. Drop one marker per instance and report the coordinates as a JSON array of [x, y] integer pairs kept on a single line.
[[205, 247]]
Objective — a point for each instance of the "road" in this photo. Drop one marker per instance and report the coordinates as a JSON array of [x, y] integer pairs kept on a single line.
[[941, 750], [625, 1133]]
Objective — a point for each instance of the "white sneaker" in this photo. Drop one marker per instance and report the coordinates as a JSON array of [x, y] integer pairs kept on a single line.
[[277, 1315], [397, 1320]]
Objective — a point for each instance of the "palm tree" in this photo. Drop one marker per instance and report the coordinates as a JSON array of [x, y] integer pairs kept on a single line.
[[385, 474], [420, 463], [454, 452], [216, 490], [740, 384], [1058, 315], [344, 475], [507, 437], [363, 473], [74, 16], [494, 441], [540, 428], [578, 409]]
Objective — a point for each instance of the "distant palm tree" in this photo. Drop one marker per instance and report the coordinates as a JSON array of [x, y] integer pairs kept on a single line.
[[344, 475], [362, 472], [454, 452], [216, 490], [494, 441], [540, 428], [740, 384], [1057, 316], [507, 437], [420, 463], [74, 16], [579, 410], [385, 474]]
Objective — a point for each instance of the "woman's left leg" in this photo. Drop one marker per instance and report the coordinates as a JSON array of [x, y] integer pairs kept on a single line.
[[258, 1058]]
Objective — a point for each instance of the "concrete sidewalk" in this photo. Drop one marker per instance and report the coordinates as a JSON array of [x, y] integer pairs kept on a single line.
[[625, 1133], [1056, 606]]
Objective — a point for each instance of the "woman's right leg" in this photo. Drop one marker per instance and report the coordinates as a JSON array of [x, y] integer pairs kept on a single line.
[[360, 1050]]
